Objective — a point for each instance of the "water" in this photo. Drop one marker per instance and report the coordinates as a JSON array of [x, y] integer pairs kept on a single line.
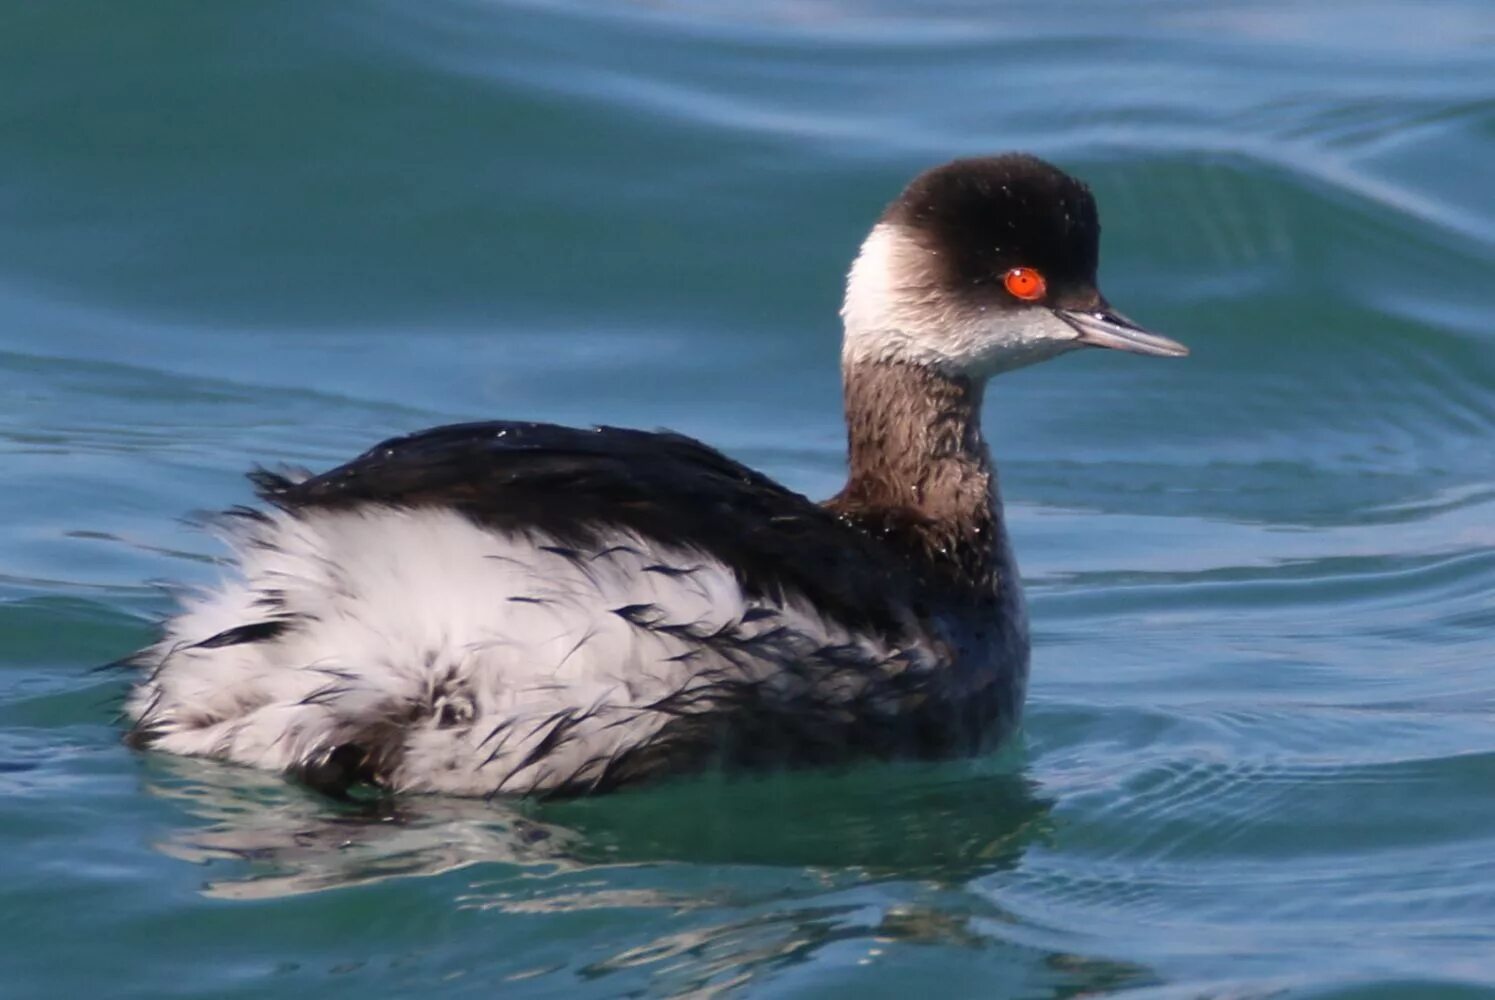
[[1260, 751]]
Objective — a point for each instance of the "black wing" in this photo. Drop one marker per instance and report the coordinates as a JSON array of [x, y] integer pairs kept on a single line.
[[574, 485]]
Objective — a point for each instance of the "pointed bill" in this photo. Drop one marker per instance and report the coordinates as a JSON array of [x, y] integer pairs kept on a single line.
[[1105, 327]]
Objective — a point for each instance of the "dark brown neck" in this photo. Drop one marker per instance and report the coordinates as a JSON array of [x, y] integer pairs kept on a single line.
[[920, 474]]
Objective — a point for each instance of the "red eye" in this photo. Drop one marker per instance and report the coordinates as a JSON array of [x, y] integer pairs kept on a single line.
[[1025, 283]]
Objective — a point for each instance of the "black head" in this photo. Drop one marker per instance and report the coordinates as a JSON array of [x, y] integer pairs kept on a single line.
[[982, 265], [982, 217]]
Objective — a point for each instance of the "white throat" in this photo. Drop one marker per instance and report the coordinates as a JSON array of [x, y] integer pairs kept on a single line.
[[896, 310]]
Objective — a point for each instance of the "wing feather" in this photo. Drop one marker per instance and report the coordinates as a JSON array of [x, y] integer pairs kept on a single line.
[[578, 485]]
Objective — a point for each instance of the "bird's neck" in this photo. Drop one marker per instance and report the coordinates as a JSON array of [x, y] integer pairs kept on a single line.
[[920, 473]]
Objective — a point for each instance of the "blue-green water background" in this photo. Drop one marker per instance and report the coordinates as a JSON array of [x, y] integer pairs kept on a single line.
[[1260, 750]]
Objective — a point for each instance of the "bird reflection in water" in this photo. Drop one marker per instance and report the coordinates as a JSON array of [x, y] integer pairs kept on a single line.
[[766, 873], [946, 822]]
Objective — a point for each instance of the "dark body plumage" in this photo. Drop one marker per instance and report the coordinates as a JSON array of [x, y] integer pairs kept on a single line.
[[579, 485], [870, 569]]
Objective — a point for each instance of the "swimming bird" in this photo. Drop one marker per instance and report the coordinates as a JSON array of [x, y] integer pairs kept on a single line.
[[521, 608]]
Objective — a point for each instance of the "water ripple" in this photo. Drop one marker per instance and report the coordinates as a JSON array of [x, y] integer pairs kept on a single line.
[[1259, 750]]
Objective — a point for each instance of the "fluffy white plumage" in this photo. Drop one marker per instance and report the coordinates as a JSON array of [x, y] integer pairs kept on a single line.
[[462, 643]]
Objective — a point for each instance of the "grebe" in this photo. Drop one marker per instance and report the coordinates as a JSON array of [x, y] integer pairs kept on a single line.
[[496, 608]]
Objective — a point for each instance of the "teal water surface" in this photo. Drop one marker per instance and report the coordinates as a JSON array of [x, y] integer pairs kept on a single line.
[[1259, 757]]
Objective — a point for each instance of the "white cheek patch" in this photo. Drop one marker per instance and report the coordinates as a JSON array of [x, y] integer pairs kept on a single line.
[[1009, 340], [892, 312]]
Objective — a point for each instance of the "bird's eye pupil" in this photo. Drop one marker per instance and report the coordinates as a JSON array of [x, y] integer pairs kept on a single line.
[[1025, 283]]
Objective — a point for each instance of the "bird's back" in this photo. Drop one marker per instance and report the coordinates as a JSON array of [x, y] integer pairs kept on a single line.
[[506, 607]]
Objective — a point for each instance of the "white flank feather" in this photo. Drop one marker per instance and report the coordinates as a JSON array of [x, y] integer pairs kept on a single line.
[[459, 641]]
